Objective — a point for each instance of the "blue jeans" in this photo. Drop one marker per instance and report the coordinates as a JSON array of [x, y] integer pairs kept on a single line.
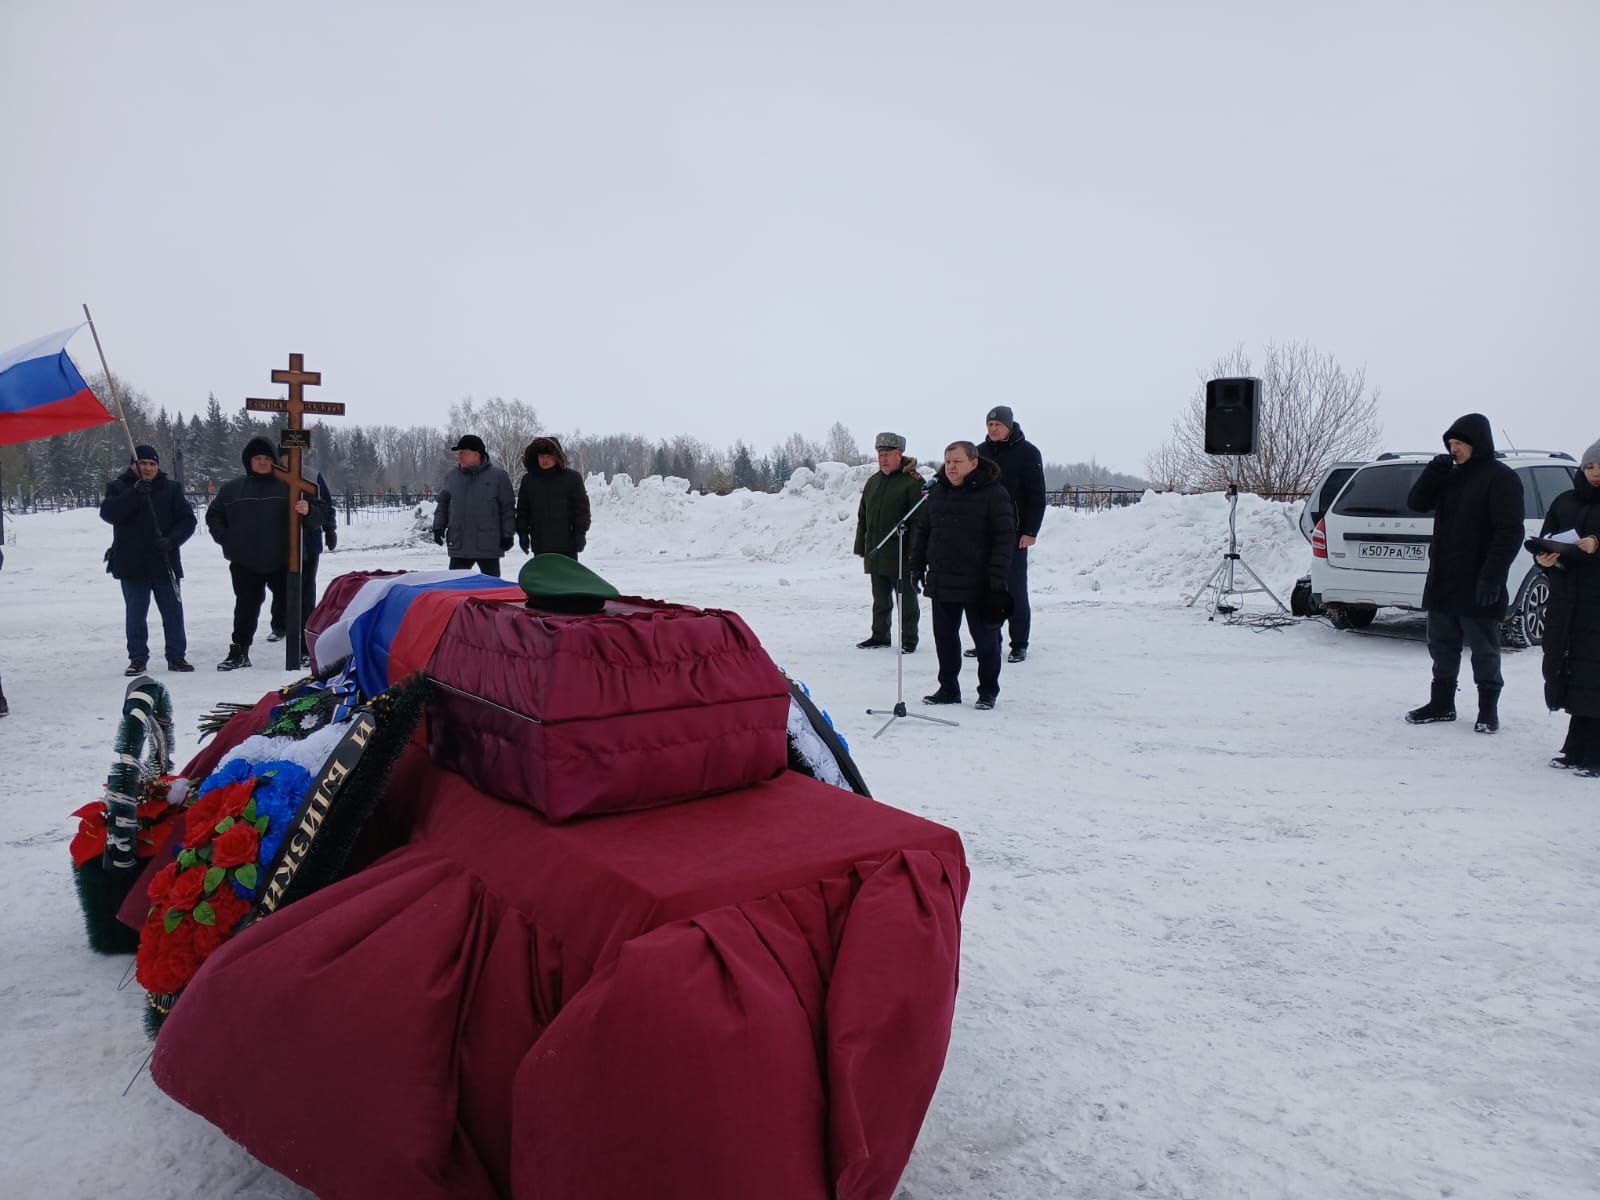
[[136, 595]]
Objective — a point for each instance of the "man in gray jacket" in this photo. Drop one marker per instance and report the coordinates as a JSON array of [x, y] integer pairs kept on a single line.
[[476, 514]]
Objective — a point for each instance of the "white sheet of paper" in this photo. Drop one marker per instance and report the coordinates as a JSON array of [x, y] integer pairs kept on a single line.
[[1569, 536]]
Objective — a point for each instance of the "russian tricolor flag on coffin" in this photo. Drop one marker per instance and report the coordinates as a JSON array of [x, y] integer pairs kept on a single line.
[[41, 392]]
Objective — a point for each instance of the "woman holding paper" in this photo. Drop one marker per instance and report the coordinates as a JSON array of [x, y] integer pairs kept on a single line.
[[1572, 621]]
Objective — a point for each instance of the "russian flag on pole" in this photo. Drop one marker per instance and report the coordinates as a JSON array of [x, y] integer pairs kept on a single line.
[[41, 392]]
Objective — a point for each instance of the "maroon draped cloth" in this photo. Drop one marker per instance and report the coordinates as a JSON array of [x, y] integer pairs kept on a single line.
[[747, 995]]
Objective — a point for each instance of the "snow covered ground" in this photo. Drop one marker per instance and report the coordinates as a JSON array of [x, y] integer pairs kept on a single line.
[[1234, 929]]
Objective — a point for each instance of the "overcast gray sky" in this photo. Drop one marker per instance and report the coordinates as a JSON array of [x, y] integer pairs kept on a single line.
[[742, 220]]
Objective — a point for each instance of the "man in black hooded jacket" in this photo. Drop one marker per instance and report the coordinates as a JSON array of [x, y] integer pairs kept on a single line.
[[249, 520], [1476, 503]]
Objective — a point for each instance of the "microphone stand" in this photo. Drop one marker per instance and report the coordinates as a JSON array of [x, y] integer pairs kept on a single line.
[[898, 712]]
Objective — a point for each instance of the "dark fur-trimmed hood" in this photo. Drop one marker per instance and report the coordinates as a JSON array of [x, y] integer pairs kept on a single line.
[[543, 445]]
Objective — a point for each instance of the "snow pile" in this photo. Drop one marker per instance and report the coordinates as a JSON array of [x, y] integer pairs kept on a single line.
[[1160, 549], [813, 516], [1165, 547]]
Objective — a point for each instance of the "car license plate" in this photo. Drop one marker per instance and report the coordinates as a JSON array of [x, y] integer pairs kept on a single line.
[[1405, 552]]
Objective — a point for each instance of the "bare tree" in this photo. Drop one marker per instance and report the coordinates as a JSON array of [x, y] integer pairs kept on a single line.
[[1089, 475], [840, 446], [611, 453], [1313, 413], [794, 452], [1167, 469], [506, 427]]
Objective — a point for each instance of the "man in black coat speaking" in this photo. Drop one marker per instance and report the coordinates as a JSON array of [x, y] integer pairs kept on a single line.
[[1476, 503], [964, 550], [149, 519], [1022, 476]]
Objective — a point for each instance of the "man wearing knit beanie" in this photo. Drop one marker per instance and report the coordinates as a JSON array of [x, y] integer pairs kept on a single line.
[[149, 520], [1022, 475]]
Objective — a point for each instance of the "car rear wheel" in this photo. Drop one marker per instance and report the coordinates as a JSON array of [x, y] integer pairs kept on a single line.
[[1525, 625], [1300, 598], [1352, 616]]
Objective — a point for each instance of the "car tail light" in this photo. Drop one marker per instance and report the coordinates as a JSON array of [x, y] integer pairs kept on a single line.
[[1319, 540]]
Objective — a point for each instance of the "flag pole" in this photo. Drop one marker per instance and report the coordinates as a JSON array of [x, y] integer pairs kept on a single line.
[[111, 383], [133, 451]]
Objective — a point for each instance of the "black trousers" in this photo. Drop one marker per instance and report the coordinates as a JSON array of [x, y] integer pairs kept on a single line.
[[883, 589], [1021, 623], [249, 590], [1583, 741], [489, 566], [947, 616], [1447, 632]]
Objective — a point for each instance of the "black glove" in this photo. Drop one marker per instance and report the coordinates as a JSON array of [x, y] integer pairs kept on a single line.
[[330, 537], [438, 537], [1488, 594], [919, 578], [1442, 461], [164, 544], [996, 605], [525, 542], [506, 543], [142, 486], [580, 542]]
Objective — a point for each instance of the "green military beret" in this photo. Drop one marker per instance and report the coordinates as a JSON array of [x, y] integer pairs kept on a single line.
[[561, 584]]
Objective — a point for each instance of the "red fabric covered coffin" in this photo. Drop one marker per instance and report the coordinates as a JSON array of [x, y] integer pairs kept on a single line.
[[744, 998], [642, 704]]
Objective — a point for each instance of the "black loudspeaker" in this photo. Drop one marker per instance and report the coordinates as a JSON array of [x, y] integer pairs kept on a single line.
[[1233, 416]]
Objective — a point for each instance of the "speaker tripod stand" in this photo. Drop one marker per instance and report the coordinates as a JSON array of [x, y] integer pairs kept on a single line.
[[1223, 579], [899, 711]]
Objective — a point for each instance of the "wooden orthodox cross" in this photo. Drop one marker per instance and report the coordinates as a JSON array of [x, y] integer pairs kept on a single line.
[[295, 438]]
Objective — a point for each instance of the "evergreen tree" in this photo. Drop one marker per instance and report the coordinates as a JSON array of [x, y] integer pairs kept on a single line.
[[744, 471], [365, 468], [218, 459]]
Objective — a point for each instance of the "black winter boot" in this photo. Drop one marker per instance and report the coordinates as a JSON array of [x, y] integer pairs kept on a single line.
[[1488, 710], [1440, 707], [4, 707], [238, 656]]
